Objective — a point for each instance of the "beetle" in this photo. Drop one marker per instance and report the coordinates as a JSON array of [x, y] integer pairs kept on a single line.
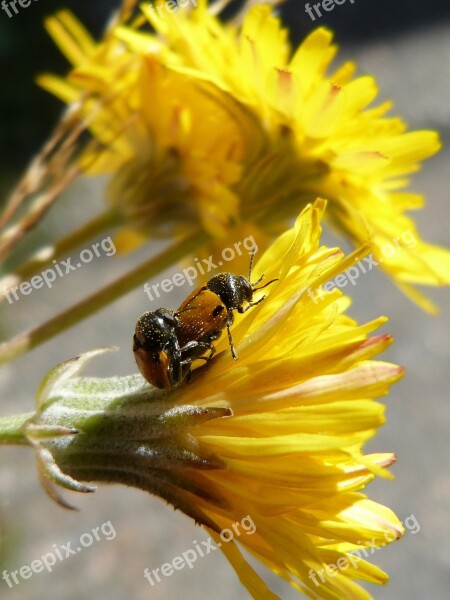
[[166, 342], [161, 360], [210, 308], [156, 348]]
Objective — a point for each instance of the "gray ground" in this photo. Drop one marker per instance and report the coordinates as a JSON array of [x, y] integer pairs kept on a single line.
[[415, 71]]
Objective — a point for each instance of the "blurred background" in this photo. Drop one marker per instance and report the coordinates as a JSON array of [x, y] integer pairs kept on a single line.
[[405, 44]]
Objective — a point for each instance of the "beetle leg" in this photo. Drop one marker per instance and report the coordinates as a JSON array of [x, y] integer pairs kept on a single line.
[[243, 309], [203, 346], [230, 341], [257, 302], [175, 371], [189, 357], [193, 350], [213, 351], [259, 281]]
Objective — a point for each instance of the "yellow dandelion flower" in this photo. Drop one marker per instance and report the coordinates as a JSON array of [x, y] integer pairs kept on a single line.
[[241, 130], [174, 145], [299, 396], [272, 441], [351, 154]]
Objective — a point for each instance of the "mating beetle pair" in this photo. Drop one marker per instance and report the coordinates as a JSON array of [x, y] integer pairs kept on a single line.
[[166, 343]]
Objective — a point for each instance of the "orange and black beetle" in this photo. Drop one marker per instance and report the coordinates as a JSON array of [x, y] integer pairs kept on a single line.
[[157, 351], [156, 348], [166, 343], [205, 312]]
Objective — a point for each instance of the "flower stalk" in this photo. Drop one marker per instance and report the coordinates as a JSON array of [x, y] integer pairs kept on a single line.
[[43, 257], [13, 429], [32, 338]]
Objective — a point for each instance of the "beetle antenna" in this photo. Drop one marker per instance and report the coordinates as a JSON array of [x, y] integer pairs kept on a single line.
[[252, 257], [265, 285]]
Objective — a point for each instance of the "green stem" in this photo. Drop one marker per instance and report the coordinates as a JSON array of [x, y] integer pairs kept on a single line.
[[32, 338], [63, 247], [12, 429]]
